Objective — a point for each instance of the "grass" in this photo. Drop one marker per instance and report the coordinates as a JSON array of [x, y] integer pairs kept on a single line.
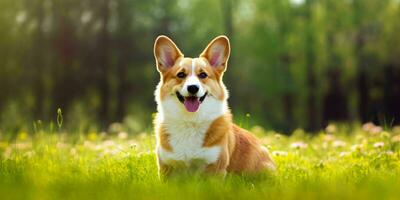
[[339, 163]]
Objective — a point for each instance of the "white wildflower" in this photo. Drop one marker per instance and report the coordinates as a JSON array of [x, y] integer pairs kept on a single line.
[[396, 139], [379, 145], [357, 147], [279, 153], [344, 154], [299, 145], [339, 144], [122, 135], [331, 128]]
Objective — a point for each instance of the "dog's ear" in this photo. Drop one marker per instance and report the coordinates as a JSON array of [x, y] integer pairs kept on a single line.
[[166, 53], [217, 52]]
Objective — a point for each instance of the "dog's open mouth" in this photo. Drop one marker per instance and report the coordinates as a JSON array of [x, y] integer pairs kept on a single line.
[[191, 103]]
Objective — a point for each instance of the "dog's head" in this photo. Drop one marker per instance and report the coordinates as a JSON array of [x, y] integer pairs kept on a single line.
[[191, 81]]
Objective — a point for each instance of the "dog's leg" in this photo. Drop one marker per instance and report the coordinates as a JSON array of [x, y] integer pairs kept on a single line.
[[219, 167], [164, 171]]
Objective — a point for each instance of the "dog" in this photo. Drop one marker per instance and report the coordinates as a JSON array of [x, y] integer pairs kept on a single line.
[[194, 125]]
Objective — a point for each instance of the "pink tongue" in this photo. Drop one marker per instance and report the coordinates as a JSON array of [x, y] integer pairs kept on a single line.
[[191, 104]]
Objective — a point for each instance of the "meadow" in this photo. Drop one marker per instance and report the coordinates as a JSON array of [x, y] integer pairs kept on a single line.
[[341, 162]]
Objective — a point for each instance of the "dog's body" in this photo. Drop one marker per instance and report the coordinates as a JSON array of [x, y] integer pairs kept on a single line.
[[194, 125]]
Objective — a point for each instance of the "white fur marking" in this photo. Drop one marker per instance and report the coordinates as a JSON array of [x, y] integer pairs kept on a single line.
[[193, 80], [193, 66]]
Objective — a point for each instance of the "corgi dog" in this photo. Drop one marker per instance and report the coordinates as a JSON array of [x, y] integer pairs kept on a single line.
[[194, 125]]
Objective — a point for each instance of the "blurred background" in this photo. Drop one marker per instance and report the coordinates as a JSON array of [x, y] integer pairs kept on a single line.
[[294, 63]]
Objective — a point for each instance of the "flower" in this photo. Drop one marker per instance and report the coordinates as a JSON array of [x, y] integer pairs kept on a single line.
[[379, 145], [338, 144], [368, 126], [372, 128], [108, 143], [375, 130], [72, 151], [279, 153], [396, 129], [122, 135], [88, 144], [396, 139], [389, 153], [357, 147], [324, 145], [298, 145], [344, 154], [111, 152], [329, 137], [331, 129], [115, 128]]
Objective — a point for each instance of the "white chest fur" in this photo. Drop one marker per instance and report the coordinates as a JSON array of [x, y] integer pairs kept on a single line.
[[187, 131], [186, 140]]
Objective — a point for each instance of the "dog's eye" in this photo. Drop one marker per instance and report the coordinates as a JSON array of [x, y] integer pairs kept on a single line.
[[203, 75], [181, 75]]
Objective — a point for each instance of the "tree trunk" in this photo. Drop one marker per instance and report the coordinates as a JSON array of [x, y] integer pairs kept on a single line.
[[334, 106], [103, 44], [38, 62], [227, 17], [313, 117], [392, 95]]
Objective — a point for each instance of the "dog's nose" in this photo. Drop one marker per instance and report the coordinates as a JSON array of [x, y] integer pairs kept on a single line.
[[193, 89]]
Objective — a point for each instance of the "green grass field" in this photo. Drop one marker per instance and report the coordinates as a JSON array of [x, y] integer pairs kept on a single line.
[[345, 162]]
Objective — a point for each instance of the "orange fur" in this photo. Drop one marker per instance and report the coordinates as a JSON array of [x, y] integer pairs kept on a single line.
[[242, 152], [164, 138]]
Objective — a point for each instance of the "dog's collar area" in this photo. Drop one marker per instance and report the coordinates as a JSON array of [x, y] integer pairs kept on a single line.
[[182, 99]]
